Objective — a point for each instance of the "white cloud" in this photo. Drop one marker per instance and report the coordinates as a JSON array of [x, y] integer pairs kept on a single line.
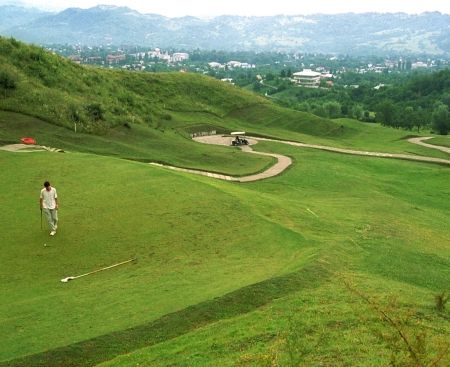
[[252, 7]]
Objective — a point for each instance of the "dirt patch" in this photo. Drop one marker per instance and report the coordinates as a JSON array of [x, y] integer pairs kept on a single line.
[[28, 148], [22, 148]]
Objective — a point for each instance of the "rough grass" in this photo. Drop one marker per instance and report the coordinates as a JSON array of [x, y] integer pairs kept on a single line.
[[182, 231]]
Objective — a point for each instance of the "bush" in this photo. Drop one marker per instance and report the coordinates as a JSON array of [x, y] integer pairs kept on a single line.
[[8, 81], [441, 300], [95, 111]]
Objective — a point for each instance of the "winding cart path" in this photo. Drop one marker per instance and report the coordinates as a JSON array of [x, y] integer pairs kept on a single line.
[[283, 162], [419, 141]]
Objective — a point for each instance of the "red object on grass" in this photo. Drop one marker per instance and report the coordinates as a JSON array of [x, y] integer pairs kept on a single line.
[[28, 141]]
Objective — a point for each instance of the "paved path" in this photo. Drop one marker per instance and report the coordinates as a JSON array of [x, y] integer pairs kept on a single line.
[[420, 142], [365, 153], [283, 162]]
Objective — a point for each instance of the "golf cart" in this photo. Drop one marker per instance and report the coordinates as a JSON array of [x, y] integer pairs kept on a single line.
[[238, 141]]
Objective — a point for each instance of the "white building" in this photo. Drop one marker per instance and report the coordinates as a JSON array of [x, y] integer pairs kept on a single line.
[[307, 78], [155, 53], [419, 65], [234, 64], [215, 65], [227, 80], [180, 56]]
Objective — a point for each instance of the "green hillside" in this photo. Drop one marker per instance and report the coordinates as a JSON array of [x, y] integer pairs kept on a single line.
[[60, 91], [156, 110], [339, 261]]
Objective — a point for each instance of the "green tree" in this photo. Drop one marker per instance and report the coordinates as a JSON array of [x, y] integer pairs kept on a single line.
[[270, 77], [303, 106], [319, 110], [257, 86], [8, 81], [357, 112], [408, 118], [332, 109], [422, 118], [441, 119], [386, 113]]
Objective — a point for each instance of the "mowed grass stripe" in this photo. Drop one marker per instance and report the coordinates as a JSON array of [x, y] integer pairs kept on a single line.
[[241, 301]]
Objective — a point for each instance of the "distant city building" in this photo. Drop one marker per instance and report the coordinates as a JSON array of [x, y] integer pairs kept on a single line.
[[215, 65], [115, 58], [154, 54], [180, 56], [75, 58], [241, 65], [165, 57], [307, 78], [234, 64], [419, 65]]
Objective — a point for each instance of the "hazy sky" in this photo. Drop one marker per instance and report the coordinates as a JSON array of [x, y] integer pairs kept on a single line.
[[250, 7]]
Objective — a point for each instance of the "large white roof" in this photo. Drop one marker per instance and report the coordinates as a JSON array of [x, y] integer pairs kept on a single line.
[[307, 72]]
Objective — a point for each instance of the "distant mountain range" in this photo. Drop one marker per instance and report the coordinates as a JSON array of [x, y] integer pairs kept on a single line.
[[350, 33]]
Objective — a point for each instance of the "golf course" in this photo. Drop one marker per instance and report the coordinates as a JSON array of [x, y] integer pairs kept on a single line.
[[338, 259]]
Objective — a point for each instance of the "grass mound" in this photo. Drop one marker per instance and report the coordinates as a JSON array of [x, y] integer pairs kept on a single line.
[[61, 92]]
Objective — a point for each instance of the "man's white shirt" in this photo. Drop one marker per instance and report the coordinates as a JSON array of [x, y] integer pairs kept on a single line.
[[48, 198]]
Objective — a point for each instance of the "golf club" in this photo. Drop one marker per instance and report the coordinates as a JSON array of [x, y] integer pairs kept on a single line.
[[65, 280], [41, 219]]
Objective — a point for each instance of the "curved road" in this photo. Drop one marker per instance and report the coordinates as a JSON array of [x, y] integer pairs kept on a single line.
[[284, 161], [370, 154], [419, 141]]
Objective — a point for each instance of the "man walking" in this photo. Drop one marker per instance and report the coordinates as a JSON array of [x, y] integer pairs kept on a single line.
[[49, 204]]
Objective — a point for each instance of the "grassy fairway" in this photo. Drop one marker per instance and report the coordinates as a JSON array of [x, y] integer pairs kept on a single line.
[[352, 218], [193, 242]]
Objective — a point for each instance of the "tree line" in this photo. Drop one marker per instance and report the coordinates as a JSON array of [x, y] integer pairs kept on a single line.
[[409, 101]]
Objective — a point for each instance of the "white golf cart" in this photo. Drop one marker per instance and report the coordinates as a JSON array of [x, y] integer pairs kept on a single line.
[[238, 140]]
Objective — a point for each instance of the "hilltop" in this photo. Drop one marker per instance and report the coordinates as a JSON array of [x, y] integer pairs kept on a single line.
[[350, 33]]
